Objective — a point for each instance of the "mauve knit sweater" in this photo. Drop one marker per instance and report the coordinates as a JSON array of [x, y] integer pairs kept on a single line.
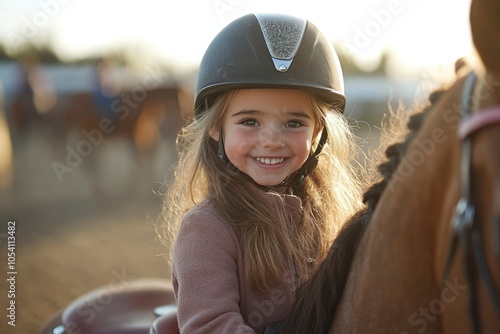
[[207, 274]]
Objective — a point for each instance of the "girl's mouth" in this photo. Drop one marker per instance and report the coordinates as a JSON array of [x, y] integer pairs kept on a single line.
[[270, 161]]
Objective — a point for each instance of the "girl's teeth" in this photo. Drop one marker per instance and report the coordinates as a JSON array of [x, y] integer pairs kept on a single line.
[[270, 161]]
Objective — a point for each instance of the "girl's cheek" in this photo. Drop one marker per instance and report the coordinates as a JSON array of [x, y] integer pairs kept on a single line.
[[245, 145]]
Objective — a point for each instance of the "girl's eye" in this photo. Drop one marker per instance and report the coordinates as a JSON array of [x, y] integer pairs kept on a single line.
[[249, 122], [293, 124]]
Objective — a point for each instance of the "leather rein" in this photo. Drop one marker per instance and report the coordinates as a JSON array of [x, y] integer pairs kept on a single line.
[[465, 229]]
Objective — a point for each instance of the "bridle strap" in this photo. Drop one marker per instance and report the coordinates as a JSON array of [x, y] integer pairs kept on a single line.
[[466, 113], [477, 121], [463, 218], [464, 228]]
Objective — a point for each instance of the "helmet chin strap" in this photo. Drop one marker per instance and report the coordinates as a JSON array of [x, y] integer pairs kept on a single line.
[[303, 171]]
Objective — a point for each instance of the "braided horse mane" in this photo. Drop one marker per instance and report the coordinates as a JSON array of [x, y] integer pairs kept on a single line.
[[318, 299]]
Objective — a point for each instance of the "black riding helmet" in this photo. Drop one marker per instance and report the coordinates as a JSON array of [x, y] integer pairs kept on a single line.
[[271, 51]]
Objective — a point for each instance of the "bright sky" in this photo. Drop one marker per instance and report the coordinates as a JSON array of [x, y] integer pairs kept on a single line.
[[419, 32]]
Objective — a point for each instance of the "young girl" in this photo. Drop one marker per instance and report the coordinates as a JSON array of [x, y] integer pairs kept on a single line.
[[265, 175]]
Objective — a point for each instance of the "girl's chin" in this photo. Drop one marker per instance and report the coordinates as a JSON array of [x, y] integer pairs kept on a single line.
[[268, 183]]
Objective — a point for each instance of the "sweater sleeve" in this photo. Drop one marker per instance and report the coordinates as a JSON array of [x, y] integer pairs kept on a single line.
[[205, 278]]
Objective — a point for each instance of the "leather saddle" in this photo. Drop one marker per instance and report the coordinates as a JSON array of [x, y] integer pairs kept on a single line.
[[137, 307]]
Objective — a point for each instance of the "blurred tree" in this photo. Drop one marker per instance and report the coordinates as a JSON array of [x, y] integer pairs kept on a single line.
[[351, 67], [44, 53], [3, 54]]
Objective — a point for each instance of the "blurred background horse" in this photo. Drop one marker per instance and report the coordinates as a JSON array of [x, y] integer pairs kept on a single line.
[[114, 126], [140, 115], [423, 255]]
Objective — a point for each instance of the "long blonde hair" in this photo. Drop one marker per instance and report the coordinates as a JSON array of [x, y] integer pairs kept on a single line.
[[330, 194]]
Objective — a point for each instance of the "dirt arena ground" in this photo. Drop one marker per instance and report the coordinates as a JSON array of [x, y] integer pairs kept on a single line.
[[68, 239]]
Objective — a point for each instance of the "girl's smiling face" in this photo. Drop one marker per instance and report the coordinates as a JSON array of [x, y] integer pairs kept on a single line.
[[268, 132]]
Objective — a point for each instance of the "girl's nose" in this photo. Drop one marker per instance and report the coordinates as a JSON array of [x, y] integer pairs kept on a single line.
[[271, 137]]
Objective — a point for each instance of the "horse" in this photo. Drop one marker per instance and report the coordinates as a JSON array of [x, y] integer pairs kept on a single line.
[[129, 112], [140, 116], [423, 254]]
